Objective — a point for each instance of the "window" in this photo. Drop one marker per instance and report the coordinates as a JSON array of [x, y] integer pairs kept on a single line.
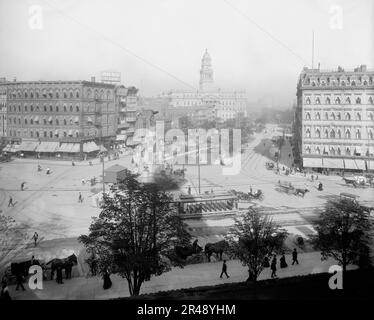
[[326, 116], [332, 151], [77, 94], [50, 108], [347, 116], [37, 95], [318, 150], [50, 94], [307, 149], [57, 122], [37, 134], [371, 100], [318, 116], [45, 108], [358, 100], [25, 95], [348, 152], [64, 134], [348, 100], [358, 134], [50, 134], [44, 121], [56, 108], [339, 151], [318, 133], [31, 108], [353, 83], [318, 101], [31, 121], [371, 116], [328, 101], [77, 134], [25, 121], [337, 100], [71, 108], [338, 116], [65, 109], [25, 107], [307, 133], [339, 134], [65, 95], [348, 134], [31, 95], [307, 101], [31, 134], [358, 116], [371, 135], [64, 122], [332, 115], [45, 134], [332, 134], [57, 95], [77, 108], [71, 95], [326, 133]]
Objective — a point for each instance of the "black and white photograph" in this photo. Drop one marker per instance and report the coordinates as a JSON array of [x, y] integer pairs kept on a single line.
[[187, 150]]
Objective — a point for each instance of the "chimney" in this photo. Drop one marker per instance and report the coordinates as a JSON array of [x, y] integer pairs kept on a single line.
[[92, 79]]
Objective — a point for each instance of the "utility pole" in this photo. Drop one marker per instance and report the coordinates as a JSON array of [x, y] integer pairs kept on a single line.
[[102, 160], [198, 162]]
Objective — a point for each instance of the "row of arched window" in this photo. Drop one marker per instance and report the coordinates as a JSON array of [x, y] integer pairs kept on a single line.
[[44, 121], [58, 94], [348, 151], [337, 116], [332, 134], [337, 100], [45, 108], [323, 81]]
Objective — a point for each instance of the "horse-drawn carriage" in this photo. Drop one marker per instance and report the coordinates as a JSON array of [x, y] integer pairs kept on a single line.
[[269, 165], [248, 196], [288, 188], [357, 181]]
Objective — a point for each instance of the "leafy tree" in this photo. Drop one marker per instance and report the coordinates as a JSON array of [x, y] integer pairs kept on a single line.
[[137, 228], [253, 238], [10, 235], [343, 232]]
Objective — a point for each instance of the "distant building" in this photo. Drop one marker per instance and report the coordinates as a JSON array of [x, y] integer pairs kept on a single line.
[[227, 104], [334, 119], [3, 111]]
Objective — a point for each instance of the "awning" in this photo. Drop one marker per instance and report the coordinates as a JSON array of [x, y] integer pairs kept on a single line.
[[90, 147], [103, 149], [28, 145], [312, 162], [370, 164], [89, 119], [47, 147], [70, 133], [69, 148], [14, 148], [350, 164], [50, 119], [333, 163], [36, 119], [76, 119], [360, 164], [7, 148]]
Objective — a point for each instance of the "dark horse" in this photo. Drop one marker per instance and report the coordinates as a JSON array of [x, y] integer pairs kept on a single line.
[[66, 263], [185, 251], [218, 248], [22, 268]]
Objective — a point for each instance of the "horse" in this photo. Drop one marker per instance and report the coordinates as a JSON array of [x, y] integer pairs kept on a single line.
[[22, 268], [66, 263], [218, 248], [350, 181], [301, 192], [185, 251]]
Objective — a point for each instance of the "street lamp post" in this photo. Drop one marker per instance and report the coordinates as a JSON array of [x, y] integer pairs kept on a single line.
[[102, 160]]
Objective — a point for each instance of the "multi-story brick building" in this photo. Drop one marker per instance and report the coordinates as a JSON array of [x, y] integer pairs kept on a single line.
[[68, 113], [334, 119], [3, 110]]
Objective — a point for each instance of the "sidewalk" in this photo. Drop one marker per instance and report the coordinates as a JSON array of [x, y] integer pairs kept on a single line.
[[205, 274]]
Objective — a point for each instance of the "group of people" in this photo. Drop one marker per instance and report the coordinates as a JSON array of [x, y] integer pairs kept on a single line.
[[267, 264]]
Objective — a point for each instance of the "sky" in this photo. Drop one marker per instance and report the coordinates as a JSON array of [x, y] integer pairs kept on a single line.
[[157, 45]]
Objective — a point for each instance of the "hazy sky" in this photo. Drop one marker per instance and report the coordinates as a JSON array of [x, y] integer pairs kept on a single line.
[[259, 46]]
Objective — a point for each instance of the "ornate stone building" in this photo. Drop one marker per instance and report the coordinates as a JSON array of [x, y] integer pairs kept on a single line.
[[334, 119], [227, 104], [73, 113]]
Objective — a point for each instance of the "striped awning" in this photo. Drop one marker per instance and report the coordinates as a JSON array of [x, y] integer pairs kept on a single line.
[[69, 148], [333, 163], [350, 164], [47, 147], [28, 145], [312, 162], [360, 164]]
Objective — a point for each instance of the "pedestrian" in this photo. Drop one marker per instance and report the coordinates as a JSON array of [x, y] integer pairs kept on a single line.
[[283, 263], [224, 270], [107, 282], [19, 281], [59, 275], [4, 291], [250, 189], [80, 198], [22, 186], [10, 203], [32, 261], [274, 267], [294, 257], [189, 190], [35, 238]]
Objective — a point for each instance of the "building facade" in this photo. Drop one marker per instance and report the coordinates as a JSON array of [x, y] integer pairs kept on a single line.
[[3, 111], [334, 119], [227, 104]]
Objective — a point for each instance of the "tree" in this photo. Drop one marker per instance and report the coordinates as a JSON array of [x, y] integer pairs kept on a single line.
[[11, 235], [253, 238], [136, 229], [343, 232]]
